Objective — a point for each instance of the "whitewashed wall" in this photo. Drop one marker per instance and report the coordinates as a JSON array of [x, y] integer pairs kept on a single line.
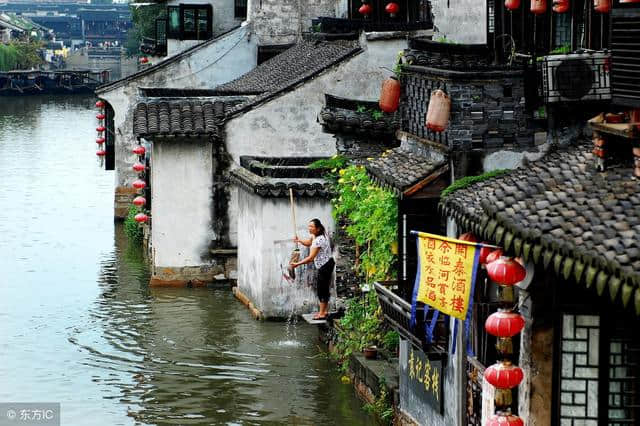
[[463, 21]]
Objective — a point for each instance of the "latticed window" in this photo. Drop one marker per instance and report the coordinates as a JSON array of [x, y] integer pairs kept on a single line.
[[240, 9]]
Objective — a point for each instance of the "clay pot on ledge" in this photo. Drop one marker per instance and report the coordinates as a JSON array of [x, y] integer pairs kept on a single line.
[[370, 352]]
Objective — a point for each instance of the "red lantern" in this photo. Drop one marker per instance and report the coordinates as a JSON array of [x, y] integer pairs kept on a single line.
[[484, 254], [139, 184], [139, 150], [560, 6], [506, 271], [629, 1], [390, 95], [512, 4], [504, 375], [538, 7], [392, 9], [100, 116], [139, 167], [101, 153], [144, 60], [100, 141], [100, 129], [602, 6], [139, 201], [505, 419], [438, 111], [504, 324], [468, 236], [365, 10], [494, 255], [141, 217], [100, 104]]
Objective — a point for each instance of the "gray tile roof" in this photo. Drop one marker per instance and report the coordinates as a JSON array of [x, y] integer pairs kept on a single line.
[[180, 117], [292, 66], [563, 213]]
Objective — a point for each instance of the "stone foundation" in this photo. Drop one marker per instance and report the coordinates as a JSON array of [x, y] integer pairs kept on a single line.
[[122, 202], [221, 270]]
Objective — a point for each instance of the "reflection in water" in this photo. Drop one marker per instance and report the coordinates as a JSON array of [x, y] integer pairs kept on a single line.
[[81, 326]]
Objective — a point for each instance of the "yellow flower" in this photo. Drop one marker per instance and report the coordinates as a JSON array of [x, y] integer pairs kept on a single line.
[[341, 180], [394, 247], [342, 172], [345, 380]]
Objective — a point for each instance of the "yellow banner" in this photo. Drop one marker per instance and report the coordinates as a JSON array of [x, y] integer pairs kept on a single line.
[[446, 274]]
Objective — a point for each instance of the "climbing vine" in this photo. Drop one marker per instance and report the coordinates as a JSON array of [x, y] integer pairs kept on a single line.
[[371, 215], [470, 180], [132, 229]]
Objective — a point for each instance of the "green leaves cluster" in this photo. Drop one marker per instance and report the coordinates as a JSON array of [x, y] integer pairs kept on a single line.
[[470, 180], [132, 228], [381, 407], [20, 56], [144, 25], [372, 216]]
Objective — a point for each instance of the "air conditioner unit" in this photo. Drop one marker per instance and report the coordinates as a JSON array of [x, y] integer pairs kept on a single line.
[[576, 77]]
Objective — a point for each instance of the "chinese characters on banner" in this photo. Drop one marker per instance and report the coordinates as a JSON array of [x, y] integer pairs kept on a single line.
[[424, 378], [446, 273]]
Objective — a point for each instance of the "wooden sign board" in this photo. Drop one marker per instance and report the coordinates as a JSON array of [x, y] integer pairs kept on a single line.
[[423, 378]]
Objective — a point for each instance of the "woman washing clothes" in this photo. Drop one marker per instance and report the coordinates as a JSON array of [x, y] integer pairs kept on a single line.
[[320, 255]]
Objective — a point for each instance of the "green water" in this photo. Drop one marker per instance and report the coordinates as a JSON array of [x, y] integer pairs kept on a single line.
[[80, 326]]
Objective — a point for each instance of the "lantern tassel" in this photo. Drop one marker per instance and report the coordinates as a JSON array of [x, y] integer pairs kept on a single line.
[[432, 326]]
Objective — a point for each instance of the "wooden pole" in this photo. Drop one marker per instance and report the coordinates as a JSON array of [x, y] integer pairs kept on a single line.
[[293, 214]]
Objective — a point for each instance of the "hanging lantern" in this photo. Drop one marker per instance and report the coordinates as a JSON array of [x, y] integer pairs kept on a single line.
[[506, 271], [504, 375], [602, 6], [100, 104], [629, 1], [139, 184], [494, 255], [139, 201], [505, 419], [144, 60], [438, 111], [100, 141], [538, 7], [512, 4], [100, 129], [504, 324], [560, 6], [365, 10], [101, 153], [484, 254], [139, 150], [392, 9], [390, 95], [468, 236], [139, 167], [100, 116], [141, 217]]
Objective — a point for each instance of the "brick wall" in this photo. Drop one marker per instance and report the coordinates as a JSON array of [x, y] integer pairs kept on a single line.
[[486, 113]]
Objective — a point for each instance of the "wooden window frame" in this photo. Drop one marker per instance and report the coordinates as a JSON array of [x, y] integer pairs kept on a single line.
[[196, 35]]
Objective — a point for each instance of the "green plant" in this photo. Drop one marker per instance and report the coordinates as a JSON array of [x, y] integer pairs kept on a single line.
[[361, 108], [132, 229], [381, 406], [372, 215], [470, 180], [391, 340], [332, 165], [376, 114], [316, 28], [561, 50]]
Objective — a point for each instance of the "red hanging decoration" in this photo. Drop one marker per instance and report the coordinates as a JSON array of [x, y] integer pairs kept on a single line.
[[560, 6], [504, 324], [144, 60], [139, 150], [100, 141], [494, 255], [139, 184], [468, 236], [602, 6], [484, 254], [139, 201], [629, 1], [100, 116], [390, 95], [392, 9], [506, 271], [438, 111], [505, 419], [504, 375], [141, 217], [512, 4], [365, 10], [100, 104], [538, 7], [139, 167], [100, 129], [101, 153]]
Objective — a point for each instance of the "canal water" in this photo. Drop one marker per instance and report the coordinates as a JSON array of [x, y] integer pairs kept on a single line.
[[80, 326]]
